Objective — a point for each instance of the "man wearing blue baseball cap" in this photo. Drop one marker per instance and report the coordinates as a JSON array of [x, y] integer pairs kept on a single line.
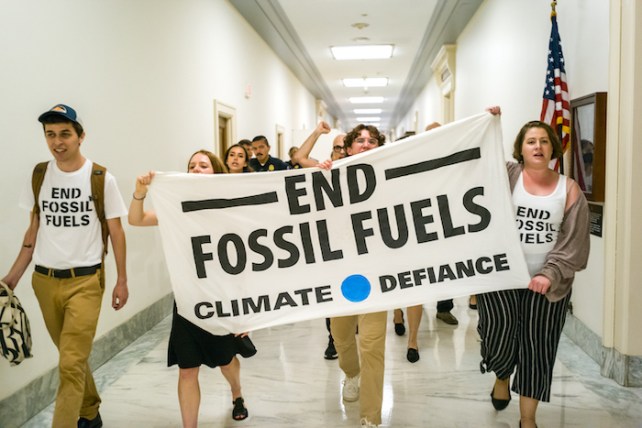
[[75, 205]]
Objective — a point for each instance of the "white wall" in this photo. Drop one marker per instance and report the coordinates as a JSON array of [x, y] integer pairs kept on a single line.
[[143, 75], [501, 60], [426, 109]]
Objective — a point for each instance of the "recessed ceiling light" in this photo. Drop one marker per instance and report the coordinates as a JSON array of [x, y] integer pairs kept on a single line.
[[367, 82], [369, 119], [367, 110], [362, 52], [366, 100]]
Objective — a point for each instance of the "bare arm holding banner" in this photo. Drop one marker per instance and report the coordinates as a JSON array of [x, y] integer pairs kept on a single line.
[[138, 216]]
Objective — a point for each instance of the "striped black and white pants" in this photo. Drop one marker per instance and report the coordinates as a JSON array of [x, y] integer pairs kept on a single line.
[[520, 331]]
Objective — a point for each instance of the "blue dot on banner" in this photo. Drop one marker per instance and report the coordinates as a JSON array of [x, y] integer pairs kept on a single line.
[[356, 288]]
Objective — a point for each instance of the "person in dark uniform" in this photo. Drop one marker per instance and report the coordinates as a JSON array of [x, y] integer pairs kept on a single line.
[[292, 163], [262, 161]]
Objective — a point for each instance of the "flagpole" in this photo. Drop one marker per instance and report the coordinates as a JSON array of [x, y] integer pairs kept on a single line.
[[556, 102], [560, 161]]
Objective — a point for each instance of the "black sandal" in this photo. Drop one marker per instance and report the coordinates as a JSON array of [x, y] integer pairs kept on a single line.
[[239, 412]]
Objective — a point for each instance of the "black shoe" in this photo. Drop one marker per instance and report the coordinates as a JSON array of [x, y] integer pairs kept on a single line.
[[447, 317], [499, 404], [412, 355], [96, 422], [330, 351], [400, 328], [472, 302], [239, 412]]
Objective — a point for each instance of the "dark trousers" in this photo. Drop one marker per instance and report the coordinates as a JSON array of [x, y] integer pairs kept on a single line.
[[445, 305], [327, 325]]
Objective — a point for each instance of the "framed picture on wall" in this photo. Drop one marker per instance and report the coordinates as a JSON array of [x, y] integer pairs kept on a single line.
[[588, 142]]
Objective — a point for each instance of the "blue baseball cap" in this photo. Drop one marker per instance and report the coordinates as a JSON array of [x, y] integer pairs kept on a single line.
[[62, 111]]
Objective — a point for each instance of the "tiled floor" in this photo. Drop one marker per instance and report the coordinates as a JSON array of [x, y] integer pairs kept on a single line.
[[289, 384]]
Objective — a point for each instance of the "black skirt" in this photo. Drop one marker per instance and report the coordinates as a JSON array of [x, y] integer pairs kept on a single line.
[[190, 346]]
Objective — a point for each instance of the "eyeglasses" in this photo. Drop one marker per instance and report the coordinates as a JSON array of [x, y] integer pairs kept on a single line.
[[339, 149], [372, 141]]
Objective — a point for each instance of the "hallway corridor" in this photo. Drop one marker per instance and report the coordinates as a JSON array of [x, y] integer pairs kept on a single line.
[[289, 384]]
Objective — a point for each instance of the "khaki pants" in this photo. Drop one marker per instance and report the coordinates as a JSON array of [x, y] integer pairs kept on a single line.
[[70, 308], [372, 346]]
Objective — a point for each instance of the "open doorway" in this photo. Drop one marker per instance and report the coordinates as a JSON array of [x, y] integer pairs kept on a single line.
[[280, 142], [443, 68], [224, 127]]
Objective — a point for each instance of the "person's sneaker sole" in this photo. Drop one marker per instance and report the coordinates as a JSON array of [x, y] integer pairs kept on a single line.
[[350, 391], [351, 399]]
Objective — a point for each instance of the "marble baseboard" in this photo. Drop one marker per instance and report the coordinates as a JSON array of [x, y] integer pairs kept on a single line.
[[635, 371], [626, 370], [25, 403], [584, 337]]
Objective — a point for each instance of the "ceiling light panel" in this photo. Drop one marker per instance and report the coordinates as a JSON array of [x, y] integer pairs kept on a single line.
[[366, 100], [369, 119], [367, 111], [362, 52], [368, 82]]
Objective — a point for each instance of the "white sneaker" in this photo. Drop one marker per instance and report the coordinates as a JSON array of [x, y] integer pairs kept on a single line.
[[365, 423], [351, 388]]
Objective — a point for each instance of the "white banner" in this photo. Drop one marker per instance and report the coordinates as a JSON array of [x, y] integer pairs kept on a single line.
[[418, 220]]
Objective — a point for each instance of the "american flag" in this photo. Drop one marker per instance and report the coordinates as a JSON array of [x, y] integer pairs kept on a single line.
[[555, 105]]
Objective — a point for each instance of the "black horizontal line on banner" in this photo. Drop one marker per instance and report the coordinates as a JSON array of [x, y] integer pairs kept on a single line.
[[215, 204], [429, 165]]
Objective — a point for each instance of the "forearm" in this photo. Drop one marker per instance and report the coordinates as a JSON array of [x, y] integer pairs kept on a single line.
[[120, 295], [19, 267], [118, 243], [303, 154], [24, 255], [137, 215]]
